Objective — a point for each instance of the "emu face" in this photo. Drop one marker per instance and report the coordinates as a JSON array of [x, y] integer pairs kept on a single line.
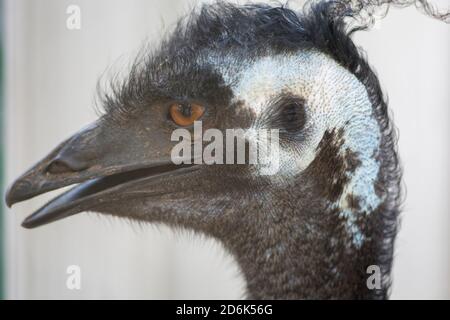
[[331, 207]]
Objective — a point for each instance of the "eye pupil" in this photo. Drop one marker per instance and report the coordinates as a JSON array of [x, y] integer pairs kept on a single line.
[[186, 109]]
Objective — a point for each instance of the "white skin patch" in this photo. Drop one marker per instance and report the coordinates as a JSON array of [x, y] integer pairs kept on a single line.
[[335, 99]]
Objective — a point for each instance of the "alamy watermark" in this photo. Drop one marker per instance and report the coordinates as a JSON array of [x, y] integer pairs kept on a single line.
[[73, 21], [374, 280], [73, 281], [240, 146]]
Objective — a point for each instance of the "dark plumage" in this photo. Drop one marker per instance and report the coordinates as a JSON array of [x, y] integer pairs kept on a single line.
[[311, 233]]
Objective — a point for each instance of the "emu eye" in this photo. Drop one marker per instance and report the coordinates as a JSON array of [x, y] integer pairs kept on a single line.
[[185, 114]]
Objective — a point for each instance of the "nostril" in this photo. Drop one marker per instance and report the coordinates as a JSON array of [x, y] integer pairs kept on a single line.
[[59, 166]]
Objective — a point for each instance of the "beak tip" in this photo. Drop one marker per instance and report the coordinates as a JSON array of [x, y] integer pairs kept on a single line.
[[9, 203], [9, 199], [18, 192], [27, 223]]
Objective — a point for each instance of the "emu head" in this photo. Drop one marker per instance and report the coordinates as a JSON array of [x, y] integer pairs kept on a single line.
[[309, 230]]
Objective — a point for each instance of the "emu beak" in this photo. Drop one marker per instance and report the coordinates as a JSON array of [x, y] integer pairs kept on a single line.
[[105, 165]]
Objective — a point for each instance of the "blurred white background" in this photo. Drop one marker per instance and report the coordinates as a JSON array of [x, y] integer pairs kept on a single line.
[[51, 78]]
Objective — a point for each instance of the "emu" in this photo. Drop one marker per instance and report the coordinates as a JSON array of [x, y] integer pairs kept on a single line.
[[309, 231]]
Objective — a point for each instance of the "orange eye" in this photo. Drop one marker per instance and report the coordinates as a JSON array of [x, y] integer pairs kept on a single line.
[[185, 114]]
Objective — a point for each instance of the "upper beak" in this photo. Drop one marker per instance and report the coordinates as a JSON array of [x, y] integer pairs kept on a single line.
[[102, 170]]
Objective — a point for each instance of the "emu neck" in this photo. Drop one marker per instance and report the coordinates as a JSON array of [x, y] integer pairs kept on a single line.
[[303, 259]]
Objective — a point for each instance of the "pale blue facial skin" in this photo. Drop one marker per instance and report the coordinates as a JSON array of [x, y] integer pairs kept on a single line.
[[335, 99]]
